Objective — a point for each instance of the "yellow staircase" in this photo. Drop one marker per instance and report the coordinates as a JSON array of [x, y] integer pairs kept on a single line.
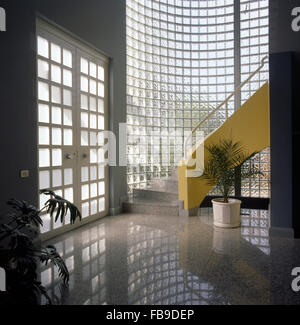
[[250, 125]]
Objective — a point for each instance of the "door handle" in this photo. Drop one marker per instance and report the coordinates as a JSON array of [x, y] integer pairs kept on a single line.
[[69, 156], [84, 155]]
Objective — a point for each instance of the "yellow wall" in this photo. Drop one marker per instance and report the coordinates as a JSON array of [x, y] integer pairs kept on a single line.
[[250, 125]]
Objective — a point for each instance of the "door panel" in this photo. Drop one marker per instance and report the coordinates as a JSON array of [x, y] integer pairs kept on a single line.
[[92, 125], [72, 110]]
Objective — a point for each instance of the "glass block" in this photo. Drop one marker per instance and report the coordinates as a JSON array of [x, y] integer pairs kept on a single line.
[[44, 179], [101, 158], [43, 113], [84, 82], [101, 139], [55, 73], [85, 192], [101, 188], [67, 117], [100, 122], [67, 97], [67, 58], [100, 73], [93, 70], [100, 105], [56, 157], [43, 69], [101, 204], [56, 115], [93, 103], [94, 207], [56, 177], [84, 66], [55, 53], [44, 135], [67, 78], [68, 194], [84, 138], [100, 172], [56, 137], [57, 224], [93, 87], [44, 158], [93, 156], [100, 89], [43, 47], [55, 94], [46, 224], [93, 190], [68, 137], [93, 138], [84, 102], [59, 192], [84, 174], [43, 91], [93, 173], [43, 200], [93, 121], [84, 120], [68, 176]]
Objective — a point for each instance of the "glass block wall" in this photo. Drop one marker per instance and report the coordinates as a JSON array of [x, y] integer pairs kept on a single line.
[[254, 46], [180, 66]]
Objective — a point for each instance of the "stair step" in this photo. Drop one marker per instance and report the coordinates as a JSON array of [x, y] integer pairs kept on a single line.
[[151, 207], [155, 195], [164, 185], [174, 175]]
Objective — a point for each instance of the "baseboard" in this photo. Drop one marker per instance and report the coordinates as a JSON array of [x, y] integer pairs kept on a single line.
[[115, 211], [281, 232], [186, 213]]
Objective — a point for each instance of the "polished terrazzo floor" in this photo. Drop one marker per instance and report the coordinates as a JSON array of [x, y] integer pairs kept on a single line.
[[159, 260]]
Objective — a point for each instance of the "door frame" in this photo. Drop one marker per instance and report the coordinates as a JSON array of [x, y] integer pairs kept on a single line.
[[46, 27]]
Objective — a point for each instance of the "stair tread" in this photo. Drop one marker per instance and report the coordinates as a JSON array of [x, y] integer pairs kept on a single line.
[[145, 201], [154, 190], [165, 179]]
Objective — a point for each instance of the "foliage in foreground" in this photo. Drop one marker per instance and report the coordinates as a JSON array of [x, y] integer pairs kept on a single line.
[[20, 249]]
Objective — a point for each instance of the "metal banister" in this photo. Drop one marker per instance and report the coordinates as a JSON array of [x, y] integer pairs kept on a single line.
[[225, 102]]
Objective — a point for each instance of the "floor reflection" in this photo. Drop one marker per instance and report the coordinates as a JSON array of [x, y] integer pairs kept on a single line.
[[161, 260], [155, 276], [84, 254], [254, 227]]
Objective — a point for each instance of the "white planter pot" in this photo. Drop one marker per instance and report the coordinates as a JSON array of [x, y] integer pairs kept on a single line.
[[227, 215], [226, 241]]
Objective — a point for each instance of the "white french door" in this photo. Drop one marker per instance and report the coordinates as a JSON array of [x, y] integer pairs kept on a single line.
[[72, 115]]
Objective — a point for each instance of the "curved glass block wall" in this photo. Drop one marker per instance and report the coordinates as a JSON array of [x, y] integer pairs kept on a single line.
[[254, 46], [181, 63]]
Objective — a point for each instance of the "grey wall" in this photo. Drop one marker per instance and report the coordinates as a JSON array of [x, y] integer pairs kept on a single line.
[[284, 114], [98, 22], [282, 37], [17, 103], [281, 139]]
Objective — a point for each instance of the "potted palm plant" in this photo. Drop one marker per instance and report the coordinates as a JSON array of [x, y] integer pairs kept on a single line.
[[224, 157]]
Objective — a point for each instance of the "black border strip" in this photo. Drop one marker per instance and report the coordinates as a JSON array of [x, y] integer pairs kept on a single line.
[[247, 202]]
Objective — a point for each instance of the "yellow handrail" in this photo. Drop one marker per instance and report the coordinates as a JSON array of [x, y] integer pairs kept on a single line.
[[225, 102]]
